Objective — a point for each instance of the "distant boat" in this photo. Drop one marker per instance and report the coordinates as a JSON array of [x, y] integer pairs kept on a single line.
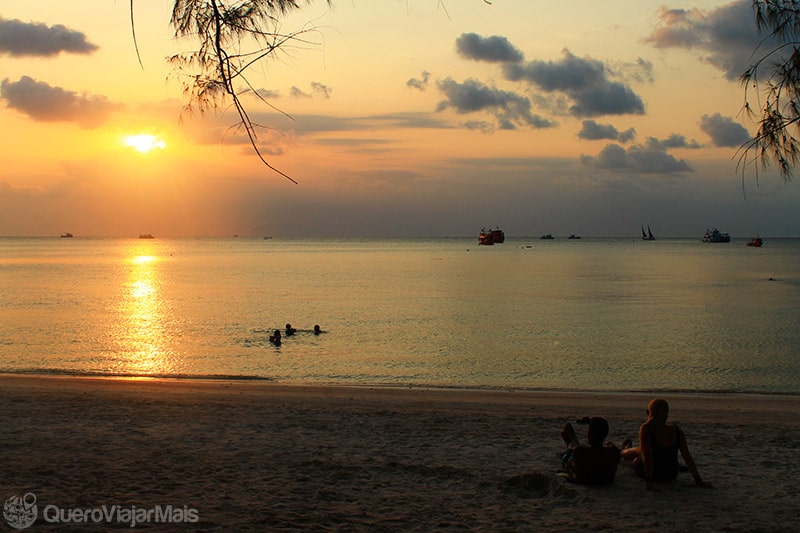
[[146, 236], [649, 235], [547, 237], [498, 236], [573, 236], [714, 235], [66, 235], [490, 237], [756, 242]]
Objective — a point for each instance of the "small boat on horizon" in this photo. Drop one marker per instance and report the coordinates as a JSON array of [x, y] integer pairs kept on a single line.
[[755, 242], [547, 237], [714, 235], [66, 235], [146, 236], [491, 237], [649, 235], [574, 237]]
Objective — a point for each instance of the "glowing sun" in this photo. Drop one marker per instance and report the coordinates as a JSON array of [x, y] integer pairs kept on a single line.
[[144, 142]]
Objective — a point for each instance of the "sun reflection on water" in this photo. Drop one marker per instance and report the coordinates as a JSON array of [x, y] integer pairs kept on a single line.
[[142, 323]]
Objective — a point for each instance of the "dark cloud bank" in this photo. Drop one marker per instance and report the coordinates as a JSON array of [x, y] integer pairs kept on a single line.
[[31, 39], [45, 103], [585, 87]]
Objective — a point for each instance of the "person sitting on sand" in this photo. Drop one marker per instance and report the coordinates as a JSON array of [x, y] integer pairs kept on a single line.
[[656, 457], [275, 338], [596, 463], [290, 330], [317, 330]]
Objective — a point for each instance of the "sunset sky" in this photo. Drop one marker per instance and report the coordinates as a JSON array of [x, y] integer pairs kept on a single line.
[[409, 118]]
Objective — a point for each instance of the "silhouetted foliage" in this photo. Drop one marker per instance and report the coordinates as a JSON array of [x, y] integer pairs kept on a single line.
[[231, 37], [774, 80]]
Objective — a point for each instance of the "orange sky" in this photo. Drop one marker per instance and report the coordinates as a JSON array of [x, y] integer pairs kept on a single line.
[[410, 118]]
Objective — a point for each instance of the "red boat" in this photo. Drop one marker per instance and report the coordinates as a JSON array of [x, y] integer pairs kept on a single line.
[[490, 237], [757, 242]]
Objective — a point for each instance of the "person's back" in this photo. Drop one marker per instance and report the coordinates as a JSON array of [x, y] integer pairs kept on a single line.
[[665, 443], [595, 464]]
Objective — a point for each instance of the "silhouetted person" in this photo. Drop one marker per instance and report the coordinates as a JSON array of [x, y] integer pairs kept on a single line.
[[317, 331], [595, 463], [275, 338], [290, 330], [656, 457]]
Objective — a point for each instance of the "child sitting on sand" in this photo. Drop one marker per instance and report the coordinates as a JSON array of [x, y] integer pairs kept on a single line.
[[596, 463]]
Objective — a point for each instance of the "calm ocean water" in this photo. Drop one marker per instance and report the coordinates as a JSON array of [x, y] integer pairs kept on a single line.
[[591, 314]]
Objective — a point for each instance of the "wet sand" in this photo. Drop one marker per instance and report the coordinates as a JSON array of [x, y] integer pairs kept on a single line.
[[260, 456]]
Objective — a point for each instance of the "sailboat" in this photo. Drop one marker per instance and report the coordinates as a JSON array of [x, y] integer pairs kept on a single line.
[[649, 235]]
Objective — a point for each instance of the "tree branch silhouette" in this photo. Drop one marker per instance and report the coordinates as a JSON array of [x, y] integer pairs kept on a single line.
[[232, 36], [777, 92]]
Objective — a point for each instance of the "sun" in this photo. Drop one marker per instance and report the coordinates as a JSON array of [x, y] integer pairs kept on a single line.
[[144, 142]]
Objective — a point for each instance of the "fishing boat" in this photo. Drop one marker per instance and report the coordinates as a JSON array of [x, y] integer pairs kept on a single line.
[[490, 237], [756, 242], [146, 236], [714, 235], [649, 235], [498, 236], [66, 235], [573, 236]]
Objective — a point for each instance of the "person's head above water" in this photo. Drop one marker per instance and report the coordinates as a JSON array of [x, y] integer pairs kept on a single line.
[[598, 431]]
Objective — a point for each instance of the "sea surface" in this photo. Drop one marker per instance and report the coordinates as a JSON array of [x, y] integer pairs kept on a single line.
[[588, 314]]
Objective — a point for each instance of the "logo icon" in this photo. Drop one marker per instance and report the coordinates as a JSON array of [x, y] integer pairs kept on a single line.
[[20, 512]]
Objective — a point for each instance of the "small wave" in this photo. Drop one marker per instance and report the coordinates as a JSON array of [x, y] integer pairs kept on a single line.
[[166, 375]]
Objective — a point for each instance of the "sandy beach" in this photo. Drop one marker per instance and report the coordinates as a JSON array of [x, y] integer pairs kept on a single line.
[[260, 456]]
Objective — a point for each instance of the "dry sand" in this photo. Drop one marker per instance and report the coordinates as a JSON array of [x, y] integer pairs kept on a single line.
[[259, 456]]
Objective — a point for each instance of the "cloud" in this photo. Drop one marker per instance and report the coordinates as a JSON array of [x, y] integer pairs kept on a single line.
[[44, 103], [636, 159], [297, 92], [30, 39], [494, 49], [640, 71], [584, 81], [320, 89], [268, 94], [213, 130], [726, 37], [675, 140], [592, 131], [724, 131], [479, 125], [317, 89], [421, 83], [510, 109]]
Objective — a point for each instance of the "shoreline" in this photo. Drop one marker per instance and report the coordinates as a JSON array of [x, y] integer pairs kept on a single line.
[[214, 378], [256, 455]]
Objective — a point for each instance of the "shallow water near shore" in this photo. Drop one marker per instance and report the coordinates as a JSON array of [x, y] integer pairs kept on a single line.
[[589, 314]]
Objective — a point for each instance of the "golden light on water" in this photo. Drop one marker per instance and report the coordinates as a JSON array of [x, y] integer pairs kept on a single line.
[[141, 316], [143, 259]]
